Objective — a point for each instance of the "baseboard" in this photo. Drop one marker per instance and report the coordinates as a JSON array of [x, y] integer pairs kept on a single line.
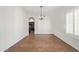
[[43, 33], [64, 39], [15, 43]]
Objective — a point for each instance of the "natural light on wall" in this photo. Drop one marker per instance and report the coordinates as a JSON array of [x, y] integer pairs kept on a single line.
[[76, 15], [69, 22], [72, 22]]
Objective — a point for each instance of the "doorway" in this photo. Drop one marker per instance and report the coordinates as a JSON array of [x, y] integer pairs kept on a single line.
[[31, 28], [31, 25]]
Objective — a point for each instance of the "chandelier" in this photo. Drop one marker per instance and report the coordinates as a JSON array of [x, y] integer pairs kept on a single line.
[[41, 17]]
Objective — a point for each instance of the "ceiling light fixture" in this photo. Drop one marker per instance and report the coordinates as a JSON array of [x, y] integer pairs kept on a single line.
[[41, 17]]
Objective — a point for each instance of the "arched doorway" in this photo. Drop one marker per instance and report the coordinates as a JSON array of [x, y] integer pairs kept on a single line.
[[31, 25]]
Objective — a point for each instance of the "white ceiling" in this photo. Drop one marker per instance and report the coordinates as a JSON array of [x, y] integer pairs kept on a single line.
[[35, 10]]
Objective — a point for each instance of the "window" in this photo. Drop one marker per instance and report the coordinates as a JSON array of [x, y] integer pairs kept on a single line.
[[72, 22], [69, 23], [76, 20]]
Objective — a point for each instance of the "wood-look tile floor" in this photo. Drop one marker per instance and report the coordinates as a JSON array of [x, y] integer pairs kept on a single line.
[[41, 43]]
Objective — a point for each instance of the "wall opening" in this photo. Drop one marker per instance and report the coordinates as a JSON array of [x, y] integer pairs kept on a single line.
[[31, 25]]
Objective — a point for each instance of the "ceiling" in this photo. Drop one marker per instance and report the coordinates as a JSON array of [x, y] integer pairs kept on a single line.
[[35, 10]]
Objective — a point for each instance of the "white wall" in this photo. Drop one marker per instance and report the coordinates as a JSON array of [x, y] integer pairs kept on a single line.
[[13, 26], [43, 26], [58, 17]]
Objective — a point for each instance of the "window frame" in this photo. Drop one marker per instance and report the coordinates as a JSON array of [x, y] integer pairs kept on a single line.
[[74, 23]]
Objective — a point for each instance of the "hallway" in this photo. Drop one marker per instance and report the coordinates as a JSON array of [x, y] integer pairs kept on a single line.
[[41, 43]]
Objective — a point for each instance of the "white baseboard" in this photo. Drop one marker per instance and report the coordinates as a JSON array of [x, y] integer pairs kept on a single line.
[[71, 41], [14, 42]]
